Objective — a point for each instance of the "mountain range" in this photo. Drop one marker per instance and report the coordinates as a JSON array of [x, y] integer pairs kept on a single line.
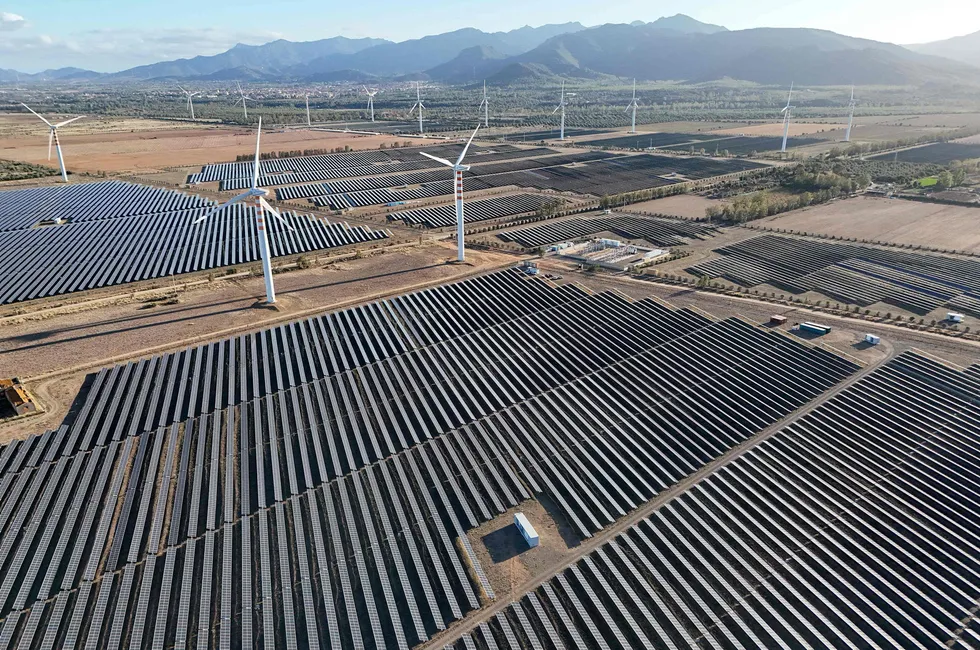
[[677, 48]]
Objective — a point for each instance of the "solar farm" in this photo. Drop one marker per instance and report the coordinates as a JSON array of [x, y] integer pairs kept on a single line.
[[659, 231], [855, 274], [942, 153], [478, 210], [111, 233]]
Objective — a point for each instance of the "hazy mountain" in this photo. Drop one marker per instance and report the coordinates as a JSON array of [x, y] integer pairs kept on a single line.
[[767, 56], [61, 74], [272, 58], [472, 64], [961, 48], [407, 57], [686, 25], [335, 76]]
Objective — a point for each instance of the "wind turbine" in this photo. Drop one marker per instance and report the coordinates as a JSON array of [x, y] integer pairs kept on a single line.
[[787, 114], [53, 137], [242, 100], [561, 107], [308, 123], [190, 100], [257, 195], [850, 120], [370, 105], [485, 105], [633, 105], [458, 170], [418, 104]]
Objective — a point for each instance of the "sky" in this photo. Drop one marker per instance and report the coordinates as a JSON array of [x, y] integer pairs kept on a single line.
[[111, 35]]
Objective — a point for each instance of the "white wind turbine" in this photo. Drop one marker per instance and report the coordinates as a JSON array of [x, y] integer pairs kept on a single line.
[[458, 170], [242, 99], [485, 105], [257, 196], [308, 123], [787, 114], [418, 104], [561, 107], [850, 120], [190, 100], [633, 105], [370, 105], [53, 137]]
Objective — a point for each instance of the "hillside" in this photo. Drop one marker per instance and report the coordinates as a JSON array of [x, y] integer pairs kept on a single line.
[[762, 55], [471, 64], [961, 48]]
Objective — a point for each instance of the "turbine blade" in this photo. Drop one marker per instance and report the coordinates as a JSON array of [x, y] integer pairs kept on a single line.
[[274, 212], [58, 126], [219, 208], [556, 109], [258, 138], [468, 142], [412, 110], [32, 110], [437, 159], [50, 140]]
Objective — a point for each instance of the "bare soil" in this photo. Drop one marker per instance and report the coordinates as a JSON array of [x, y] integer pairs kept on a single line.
[[888, 220], [72, 345], [688, 206], [776, 129], [505, 556], [149, 145]]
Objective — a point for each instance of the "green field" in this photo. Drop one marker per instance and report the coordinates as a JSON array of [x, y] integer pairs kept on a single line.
[[929, 181]]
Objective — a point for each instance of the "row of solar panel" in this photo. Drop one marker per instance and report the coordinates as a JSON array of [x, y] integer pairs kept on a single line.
[[852, 527], [860, 275], [25, 208], [479, 210], [660, 231], [49, 261], [559, 400]]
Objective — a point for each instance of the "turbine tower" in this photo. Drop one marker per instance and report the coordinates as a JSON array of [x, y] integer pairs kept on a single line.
[[308, 123], [458, 170], [561, 107], [850, 120], [419, 105], [787, 114], [53, 137], [485, 105], [242, 99], [370, 96], [190, 101], [257, 195], [633, 105]]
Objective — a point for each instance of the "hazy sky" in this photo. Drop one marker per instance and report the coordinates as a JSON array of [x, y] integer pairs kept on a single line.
[[109, 35]]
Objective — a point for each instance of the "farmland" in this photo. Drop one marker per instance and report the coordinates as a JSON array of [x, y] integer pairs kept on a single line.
[[887, 220]]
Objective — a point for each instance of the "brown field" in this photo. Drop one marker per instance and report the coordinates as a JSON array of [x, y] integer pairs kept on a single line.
[[689, 206], [889, 220], [161, 144]]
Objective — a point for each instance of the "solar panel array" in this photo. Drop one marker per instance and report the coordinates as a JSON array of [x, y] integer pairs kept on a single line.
[[325, 191], [479, 210], [237, 176], [120, 232], [660, 231], [311, 485], [745, 145], [860, 275], [941, 153], [650, 140], [853, 527]]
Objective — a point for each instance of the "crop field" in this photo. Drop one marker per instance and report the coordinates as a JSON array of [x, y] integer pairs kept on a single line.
[[313, 485], [149, 145], [119, 232], [473, 211], [659, 231], [888, 220], [851, 527], [941, 153], [855, 274]]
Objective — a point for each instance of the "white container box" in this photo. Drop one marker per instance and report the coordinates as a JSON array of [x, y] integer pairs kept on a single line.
[[527, 530], [872, 339]]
